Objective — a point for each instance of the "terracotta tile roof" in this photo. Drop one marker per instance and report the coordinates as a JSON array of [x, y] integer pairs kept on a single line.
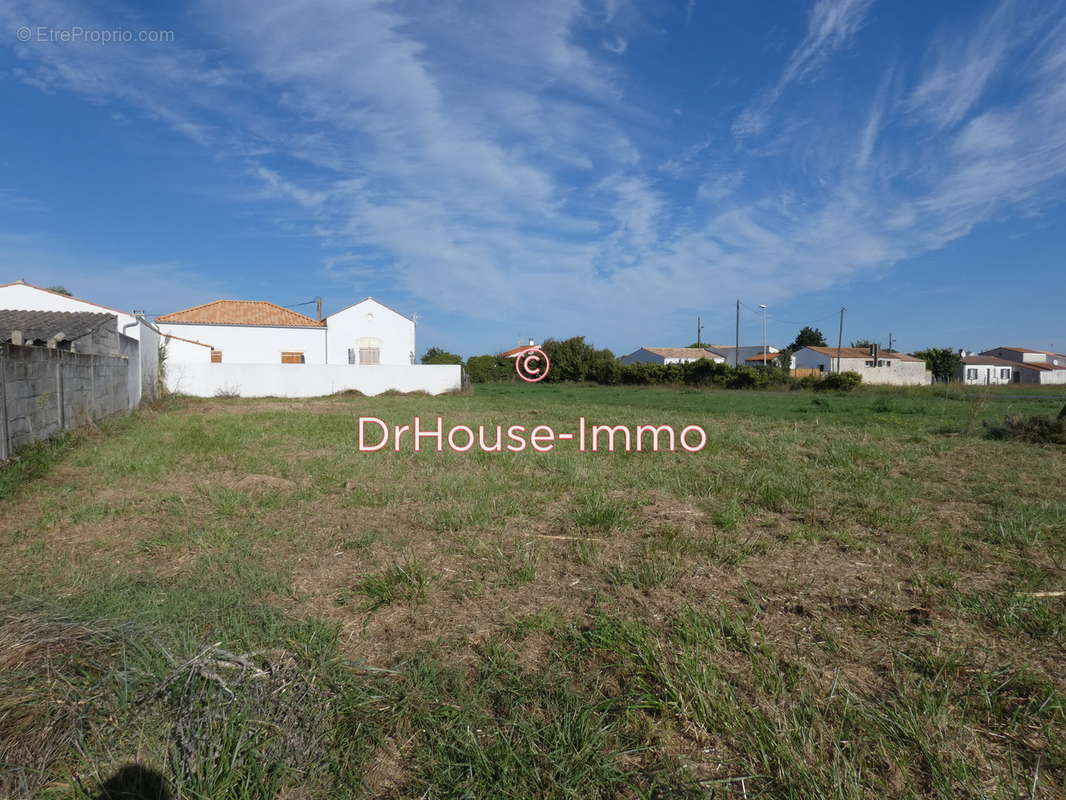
[[242, 312], [862, 352], [1018, 349], [682, 352], [515, 350]]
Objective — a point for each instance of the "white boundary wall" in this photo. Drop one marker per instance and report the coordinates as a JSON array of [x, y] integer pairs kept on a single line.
[[309, 380]]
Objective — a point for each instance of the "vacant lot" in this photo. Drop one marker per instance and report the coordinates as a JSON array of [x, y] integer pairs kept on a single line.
[[841, 596]]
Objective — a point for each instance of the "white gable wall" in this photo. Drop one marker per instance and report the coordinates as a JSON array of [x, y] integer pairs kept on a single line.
[[23, 297], [368, 320], [805, 358], [251, 344]]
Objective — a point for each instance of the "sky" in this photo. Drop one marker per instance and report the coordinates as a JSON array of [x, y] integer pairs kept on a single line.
[[608, 168]]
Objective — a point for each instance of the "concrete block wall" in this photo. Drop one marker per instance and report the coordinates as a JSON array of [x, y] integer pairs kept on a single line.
[[44, 391]]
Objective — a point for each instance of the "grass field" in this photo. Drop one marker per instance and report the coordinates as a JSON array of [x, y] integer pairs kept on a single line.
[[842, 596]]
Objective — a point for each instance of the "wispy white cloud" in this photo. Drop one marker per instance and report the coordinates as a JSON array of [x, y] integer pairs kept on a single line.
[[474, 157], [830, 26], [962, 70]]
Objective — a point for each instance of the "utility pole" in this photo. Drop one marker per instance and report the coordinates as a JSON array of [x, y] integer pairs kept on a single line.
[[699, 332], [736, 350], [890, 343], [765, 363], [840, 336]]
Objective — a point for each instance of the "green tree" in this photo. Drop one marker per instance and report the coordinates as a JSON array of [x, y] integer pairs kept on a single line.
[[60, 290], [943, 362], [808, 337], [574, 359], [435, 355], [865, 344]]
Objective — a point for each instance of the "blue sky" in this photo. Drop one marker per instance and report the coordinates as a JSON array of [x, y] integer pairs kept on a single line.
[[606, 168]]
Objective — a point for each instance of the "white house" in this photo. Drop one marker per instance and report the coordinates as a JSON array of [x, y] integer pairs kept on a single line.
[[670, 355], [259, 349], [771, 358], [1032, 366], [257, 332], [369, 332], [22, 296], [248, 332], [874, 365], [143, 350], [985, 370]]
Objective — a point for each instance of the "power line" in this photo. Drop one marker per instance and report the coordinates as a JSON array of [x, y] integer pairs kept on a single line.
[[758, 314]]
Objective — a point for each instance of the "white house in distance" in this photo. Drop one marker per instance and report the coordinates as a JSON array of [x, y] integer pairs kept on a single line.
[[985, 370], [739, 355], [257, 349], [769, 359], [1031, 366], [670, 355], [874, 365], [257, 332]]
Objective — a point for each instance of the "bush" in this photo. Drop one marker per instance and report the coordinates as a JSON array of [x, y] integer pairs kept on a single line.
[[574, 359], [489, 369], [1037, 430], [435, 355], [838, 382]]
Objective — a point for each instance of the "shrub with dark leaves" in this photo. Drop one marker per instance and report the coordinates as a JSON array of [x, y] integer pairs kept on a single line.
[[1033, 429]]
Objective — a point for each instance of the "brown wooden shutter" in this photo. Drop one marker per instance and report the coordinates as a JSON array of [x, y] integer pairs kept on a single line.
[[292, 358], [216, 356]]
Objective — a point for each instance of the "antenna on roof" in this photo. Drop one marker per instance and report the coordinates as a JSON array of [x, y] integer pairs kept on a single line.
[[318, 308]]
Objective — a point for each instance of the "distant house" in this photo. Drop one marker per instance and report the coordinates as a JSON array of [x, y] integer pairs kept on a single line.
[[367, 333], [670, 355], [740, 355], [986, 370], [517, 351], [874, 365], [768, 359], [1031, 366]]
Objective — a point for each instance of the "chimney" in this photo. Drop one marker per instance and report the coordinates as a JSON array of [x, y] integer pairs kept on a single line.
[[532, 343]]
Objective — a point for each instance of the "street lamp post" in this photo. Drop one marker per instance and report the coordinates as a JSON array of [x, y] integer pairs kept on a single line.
[[763, 307]]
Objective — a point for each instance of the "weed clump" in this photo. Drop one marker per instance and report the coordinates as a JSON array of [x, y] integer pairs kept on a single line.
[[1032, 429]]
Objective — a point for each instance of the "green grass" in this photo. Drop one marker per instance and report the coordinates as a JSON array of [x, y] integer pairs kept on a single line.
[[842, 596], [399, 583]]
